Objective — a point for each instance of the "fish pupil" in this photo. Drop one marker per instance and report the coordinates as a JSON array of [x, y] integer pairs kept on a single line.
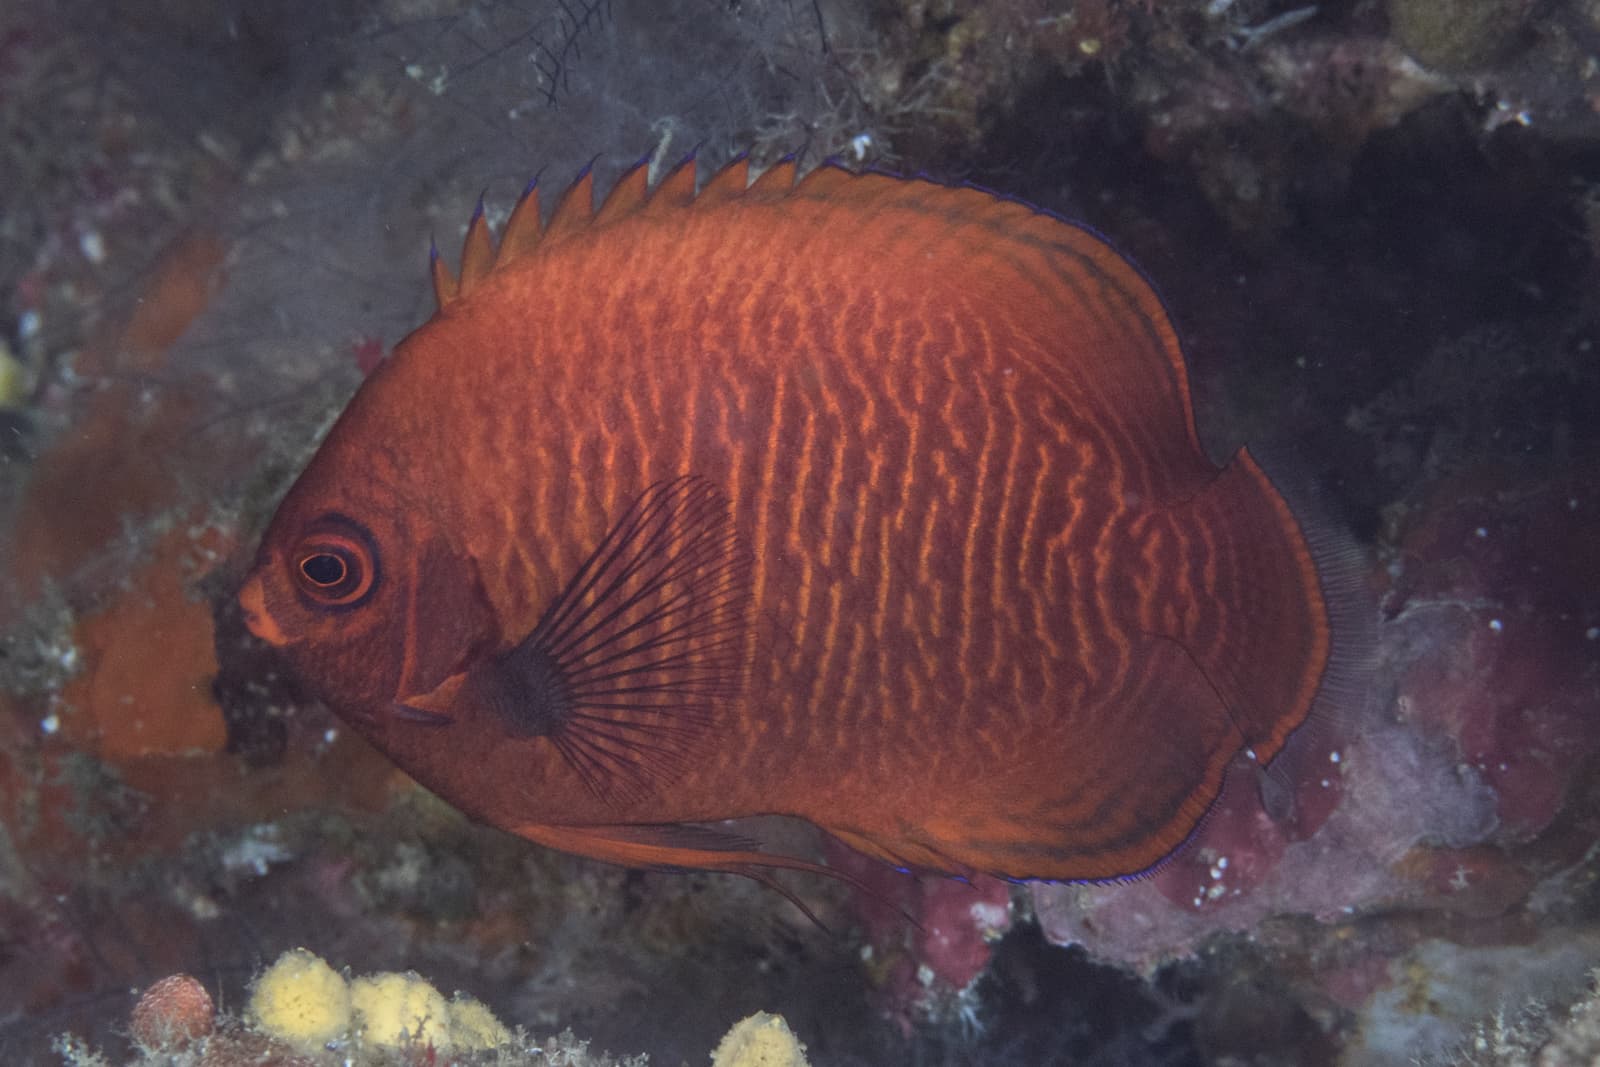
[[324, 569]]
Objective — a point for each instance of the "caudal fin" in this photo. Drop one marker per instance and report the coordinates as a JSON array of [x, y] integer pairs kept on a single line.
[[1274, 616]]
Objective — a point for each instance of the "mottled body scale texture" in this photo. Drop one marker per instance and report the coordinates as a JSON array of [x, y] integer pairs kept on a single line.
[[1005, 613]]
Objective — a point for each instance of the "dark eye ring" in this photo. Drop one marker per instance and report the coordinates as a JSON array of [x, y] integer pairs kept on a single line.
[[335, 565]]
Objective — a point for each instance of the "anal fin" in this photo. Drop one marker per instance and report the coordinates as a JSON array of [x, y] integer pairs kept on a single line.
[[686, 846]]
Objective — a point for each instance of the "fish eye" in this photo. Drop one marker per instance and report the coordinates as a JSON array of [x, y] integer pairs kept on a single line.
[[335, 564]]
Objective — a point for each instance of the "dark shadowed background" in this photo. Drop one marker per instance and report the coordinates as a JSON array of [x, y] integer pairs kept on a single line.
[[1376, 224]]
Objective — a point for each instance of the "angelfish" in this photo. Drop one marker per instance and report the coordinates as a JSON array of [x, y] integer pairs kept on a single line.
[[868, 501]]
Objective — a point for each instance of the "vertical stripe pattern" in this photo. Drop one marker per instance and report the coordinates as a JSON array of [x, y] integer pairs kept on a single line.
[[1007, 615]]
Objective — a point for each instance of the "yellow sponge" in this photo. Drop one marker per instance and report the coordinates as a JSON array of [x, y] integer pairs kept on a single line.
[[396, 1009], [473, 1025], [762, 1040], [305, 1003], [301, 1001]]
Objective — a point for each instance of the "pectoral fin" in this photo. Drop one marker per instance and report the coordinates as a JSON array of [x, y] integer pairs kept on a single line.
[[631, 662]]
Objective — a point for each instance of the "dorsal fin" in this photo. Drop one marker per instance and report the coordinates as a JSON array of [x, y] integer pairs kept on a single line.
[[676, 190], [725, 184], [627, 196], [826, 179], [444, 283], [776, 181], [576, 209], [477, 252], [524, 228]]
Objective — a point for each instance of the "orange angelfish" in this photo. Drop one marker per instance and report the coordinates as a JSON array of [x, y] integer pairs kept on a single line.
[[869, 501]]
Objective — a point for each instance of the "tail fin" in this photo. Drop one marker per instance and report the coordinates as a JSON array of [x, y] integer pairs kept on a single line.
[[1273, 616]]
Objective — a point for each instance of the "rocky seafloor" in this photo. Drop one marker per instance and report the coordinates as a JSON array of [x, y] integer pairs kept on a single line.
[[1377, 226]]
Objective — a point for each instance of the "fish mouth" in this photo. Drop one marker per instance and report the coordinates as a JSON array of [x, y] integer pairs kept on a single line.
[[253, 601]]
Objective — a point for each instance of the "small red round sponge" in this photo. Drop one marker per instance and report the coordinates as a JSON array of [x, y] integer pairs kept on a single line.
[[173, 1011]]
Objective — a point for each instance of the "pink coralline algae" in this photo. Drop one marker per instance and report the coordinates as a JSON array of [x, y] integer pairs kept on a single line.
[[926, 969], [1500, 615], [1444, 794]]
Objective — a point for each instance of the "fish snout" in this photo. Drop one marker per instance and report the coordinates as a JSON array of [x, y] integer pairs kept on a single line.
[[253, 599]]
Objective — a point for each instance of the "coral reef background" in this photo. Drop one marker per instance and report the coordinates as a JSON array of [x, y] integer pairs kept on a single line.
[[1377, 224]]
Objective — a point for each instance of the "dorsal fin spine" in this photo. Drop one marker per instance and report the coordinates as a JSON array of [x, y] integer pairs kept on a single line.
[[825, 178], [627, 196], [776, 181], [477, 251], [576, 208], [675, 189], [728, 182], [444, 283], [525, 226]]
